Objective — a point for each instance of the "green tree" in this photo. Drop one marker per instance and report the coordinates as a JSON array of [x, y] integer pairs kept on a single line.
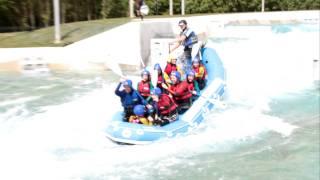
[[105, 8], [30, 14]]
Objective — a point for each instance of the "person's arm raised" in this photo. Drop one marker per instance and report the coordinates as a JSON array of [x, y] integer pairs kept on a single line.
[[176, 43]]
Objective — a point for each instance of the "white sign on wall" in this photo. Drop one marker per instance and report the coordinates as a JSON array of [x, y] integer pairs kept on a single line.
[[160, 51]]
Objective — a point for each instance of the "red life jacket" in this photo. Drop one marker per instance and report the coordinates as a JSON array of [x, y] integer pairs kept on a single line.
[[160, 81], [144, 88], [166, 104], [169, 68], [181, 91], [190, 86], [197, 70]]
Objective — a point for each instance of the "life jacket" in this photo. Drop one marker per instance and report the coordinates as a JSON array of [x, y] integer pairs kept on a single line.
[[128, 100], [200, 72], [190, 39], [181, 91], [166, 105], [169, 68], [144, 88], [160, 81], [190, 86], [139, 120], [167, 78], [131, 99]]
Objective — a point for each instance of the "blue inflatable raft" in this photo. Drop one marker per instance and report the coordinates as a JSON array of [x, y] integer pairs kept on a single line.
[[130, 133]]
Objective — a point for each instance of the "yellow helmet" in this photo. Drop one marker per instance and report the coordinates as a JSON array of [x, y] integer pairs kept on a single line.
[[172, 56]]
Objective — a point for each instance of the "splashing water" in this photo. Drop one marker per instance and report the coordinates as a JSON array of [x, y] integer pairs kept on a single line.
[[52, 127]]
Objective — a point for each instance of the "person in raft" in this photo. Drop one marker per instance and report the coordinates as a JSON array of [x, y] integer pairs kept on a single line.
[[193, 85], [180, 92], [160, 78], [171, 66], [145, 85], [139, 116], [165, 109], [129, 97], [200, 72]]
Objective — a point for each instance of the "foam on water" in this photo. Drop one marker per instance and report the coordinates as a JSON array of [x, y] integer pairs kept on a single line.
[[63, 131], [18, 101], [67, 141]]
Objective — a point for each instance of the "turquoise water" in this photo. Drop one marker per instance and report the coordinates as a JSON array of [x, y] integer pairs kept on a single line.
[[51, 126], [36, 91]]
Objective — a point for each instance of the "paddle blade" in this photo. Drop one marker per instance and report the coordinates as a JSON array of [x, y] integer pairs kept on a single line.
[[114, 66], [196, 49], [154, 77]]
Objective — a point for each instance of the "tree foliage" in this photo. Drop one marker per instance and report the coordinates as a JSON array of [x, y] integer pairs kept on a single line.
[[16, 15]]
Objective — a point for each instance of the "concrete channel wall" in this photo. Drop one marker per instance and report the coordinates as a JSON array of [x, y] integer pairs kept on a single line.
[[129, 44]]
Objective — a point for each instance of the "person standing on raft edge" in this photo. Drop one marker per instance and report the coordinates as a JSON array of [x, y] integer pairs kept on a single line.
[[187, 38]]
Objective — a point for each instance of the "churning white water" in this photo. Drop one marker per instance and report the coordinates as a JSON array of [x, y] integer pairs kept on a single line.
[[52, 127]]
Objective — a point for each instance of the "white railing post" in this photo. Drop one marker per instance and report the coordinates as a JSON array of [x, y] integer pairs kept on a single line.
[[182, 7], [170, 7], [56, 11], [262, 5], [131, 14]]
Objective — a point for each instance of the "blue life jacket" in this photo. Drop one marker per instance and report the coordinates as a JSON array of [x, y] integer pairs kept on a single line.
[[190, 40], [129, 100]]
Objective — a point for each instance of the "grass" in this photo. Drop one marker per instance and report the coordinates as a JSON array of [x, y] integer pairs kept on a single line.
[[70, 32]]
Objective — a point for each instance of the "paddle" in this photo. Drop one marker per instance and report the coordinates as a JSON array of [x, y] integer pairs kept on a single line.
[[196, 50], [141, 60], [113, 64], [154, 77]]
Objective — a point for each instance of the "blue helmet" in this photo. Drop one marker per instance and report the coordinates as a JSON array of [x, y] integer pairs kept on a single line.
[[157, 67], [127, 82], [176, 74], [145, 72], [196, 59], [190, 73], [139, 110], [156, 91]]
